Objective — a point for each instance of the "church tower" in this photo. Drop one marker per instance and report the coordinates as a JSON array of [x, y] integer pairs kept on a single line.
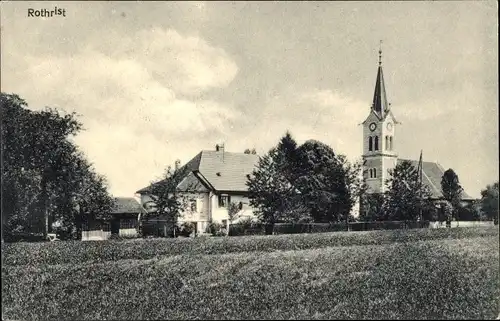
[[379, 140]]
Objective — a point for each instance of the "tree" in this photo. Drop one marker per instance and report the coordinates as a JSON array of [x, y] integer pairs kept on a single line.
[[271, 185], [470, 212], [372, 208], [452, 191], [169, 197], [44, 172], [445, 212], [233, 211], [406, 197], [252, 151], [329, 183], [489, 202]]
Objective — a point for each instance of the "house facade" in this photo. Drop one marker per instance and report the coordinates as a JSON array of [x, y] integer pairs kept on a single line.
[[215, 178]]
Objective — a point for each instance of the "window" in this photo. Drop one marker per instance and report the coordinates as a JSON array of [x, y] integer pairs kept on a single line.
[[193, 205], [371, 173], [390, 143], [376, 142], [370, 144], [374, 173], [386, 142], [224, 200]]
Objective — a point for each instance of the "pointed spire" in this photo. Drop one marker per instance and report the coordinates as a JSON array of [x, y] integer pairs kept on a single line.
[[380, 104]]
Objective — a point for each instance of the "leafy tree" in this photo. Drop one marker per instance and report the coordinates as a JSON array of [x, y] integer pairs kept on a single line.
[[271, 185], [445, 212], [470, 212], [406, 197], [44, 174], [170, 199], [233, 211], [250, 151], [329, 183], [452, 191], [372, 208], [489, 202]]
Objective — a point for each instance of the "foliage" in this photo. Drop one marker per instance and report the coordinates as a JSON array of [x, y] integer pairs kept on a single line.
[[489, 202], [271, 188], [406, 197], [299, 184], [452, 190], [445, 211], [44, 174], [186, 229], [216, 229], [372, 208], [470, 212], [324, 181], [250, 151], [429, 277], [169, 200], [233, 211]]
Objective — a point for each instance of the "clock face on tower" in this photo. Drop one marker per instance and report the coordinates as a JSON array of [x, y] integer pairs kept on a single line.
[[373, 126], [389, 126]]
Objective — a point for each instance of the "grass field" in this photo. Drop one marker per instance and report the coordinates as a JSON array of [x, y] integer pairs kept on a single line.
[[415, 274]]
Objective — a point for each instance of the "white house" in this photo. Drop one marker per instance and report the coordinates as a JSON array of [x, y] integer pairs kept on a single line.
[[215, 179]]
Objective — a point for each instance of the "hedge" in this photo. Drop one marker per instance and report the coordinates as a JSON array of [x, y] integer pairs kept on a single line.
[[290, 228], [98, 251], [437, 279]]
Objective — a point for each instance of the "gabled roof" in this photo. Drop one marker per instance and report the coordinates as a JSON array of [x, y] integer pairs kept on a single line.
[[218, 170], [431, 177], [126, 205]]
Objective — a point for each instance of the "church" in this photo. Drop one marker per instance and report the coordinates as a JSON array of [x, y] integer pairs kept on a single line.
[[380, 147]]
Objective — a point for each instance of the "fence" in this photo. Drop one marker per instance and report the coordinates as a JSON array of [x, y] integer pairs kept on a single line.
[[290, 228]]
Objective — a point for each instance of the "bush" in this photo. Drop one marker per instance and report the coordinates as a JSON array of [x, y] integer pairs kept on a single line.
[[186, 229], [216, 229]]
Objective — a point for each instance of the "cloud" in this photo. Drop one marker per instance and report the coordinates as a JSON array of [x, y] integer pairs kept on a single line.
[[325, 115], [136, 118], [186, 64]]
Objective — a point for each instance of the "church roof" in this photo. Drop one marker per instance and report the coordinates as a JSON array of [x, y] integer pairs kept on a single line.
[[431, 177]]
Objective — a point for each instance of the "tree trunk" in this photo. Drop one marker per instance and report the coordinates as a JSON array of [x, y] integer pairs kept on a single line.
[[78, 224], [43, 206]]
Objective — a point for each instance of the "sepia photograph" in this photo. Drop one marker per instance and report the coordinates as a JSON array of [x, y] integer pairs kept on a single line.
[[237, 160]]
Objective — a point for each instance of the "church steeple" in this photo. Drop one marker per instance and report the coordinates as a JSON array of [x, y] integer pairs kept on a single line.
[[380, 104]]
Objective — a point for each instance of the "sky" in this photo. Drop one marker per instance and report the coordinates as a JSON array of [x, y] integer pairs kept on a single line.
[[153, 82]]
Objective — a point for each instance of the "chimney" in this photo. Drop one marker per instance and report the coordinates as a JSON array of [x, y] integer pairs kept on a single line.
[[219, 148]]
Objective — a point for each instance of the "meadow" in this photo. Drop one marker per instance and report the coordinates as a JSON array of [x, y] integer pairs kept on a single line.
[[413, 274]]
